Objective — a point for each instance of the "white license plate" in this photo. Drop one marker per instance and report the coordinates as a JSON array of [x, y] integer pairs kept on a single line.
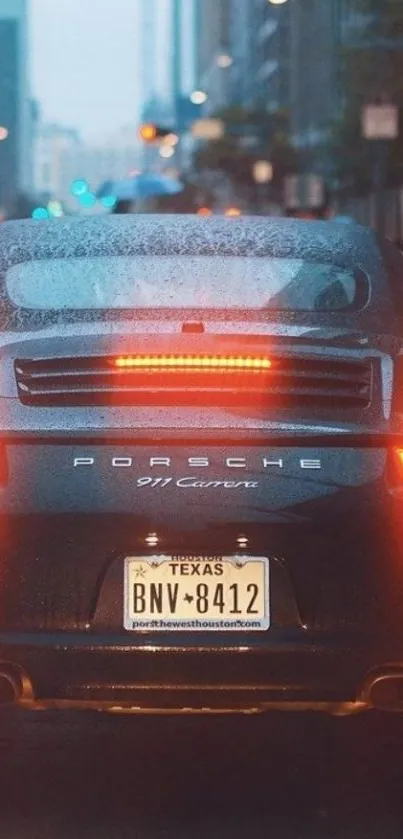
[[196, 593]]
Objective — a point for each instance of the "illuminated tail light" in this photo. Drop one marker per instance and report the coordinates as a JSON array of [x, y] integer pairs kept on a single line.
[[195, 362], [3, 465], [224, 377], [394, 470]]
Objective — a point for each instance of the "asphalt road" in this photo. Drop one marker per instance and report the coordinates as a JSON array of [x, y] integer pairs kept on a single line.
[[72, 776]]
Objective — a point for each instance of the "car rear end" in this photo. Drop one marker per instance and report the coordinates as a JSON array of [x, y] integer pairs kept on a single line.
[[200, 504]]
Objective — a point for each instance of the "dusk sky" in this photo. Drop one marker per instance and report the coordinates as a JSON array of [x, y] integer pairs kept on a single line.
[[85, 62]]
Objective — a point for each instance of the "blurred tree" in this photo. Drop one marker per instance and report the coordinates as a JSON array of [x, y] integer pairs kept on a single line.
[[250, 136]]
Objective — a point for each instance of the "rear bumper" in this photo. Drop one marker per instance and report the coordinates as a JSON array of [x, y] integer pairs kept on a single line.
[[333, 537], [297, 671]]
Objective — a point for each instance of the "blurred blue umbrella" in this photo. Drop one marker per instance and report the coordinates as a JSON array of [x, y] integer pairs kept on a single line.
[[140, 186]]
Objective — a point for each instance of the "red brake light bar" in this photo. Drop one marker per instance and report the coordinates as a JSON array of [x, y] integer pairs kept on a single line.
[[200, 362]]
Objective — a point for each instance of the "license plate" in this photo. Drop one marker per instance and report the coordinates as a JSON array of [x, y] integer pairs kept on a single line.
[[175, 593]]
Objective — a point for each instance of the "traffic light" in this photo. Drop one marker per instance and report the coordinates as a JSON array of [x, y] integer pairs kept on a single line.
[[150, 132]]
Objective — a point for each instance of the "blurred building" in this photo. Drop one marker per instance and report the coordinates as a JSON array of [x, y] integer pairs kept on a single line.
[[314, 70], [115, 160], [157, 39], [319, 32], [61, 157], [169, 57], [156, 69], [148, 54], [271, 51], [187, 27], [279, 57], [16, 115], [52, 141], [243, 37], [243, 53], [213, 43]]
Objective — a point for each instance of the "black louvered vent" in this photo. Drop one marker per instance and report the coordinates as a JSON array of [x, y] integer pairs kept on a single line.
[[292, 380]]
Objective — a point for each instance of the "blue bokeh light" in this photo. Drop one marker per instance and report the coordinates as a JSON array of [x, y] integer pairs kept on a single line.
[[79, 187], [88, 200], [108, 201], [40, 214]]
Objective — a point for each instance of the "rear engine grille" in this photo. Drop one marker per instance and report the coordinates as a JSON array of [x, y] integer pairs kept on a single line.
[[287, 381]]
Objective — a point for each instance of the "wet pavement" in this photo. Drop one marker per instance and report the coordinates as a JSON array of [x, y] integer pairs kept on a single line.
[[89, 775]]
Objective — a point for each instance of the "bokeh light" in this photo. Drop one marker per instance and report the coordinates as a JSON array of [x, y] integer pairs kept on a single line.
[[108, 201], [198, 97], [40, 214], [55, 209], [167, 152], [204, 211], [79, 187], [88, 200]]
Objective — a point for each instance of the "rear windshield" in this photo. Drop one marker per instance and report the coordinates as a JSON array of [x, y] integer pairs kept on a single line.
[[194, 282]]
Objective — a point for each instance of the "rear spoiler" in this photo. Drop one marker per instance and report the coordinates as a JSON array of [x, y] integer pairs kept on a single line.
[[210, 437]]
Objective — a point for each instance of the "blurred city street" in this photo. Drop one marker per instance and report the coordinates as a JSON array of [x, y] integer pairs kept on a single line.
[[202, 108], [199, 778]]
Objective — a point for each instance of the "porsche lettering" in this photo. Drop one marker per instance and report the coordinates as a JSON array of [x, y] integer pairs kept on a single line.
[[202, 462]]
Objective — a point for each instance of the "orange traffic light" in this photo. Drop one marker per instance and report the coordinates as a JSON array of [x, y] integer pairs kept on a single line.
[[233, 212], [148, 132]]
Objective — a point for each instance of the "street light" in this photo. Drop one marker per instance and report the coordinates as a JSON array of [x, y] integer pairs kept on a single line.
[[167, 152], [277, 2], [170, 140], [262, 172], [224, 61], [198, 97], [3, 133]]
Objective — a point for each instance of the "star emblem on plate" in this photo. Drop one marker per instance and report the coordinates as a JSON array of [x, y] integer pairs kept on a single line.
[[140, 572]]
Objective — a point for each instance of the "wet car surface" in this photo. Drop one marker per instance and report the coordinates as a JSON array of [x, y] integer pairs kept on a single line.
[[201, 466]]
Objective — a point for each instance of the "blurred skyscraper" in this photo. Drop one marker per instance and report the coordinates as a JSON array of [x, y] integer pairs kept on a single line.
[[243, 53], [289, 56], [52, 141], [168, 64], [157, 37], [319, 33], [214, 31], [169, 50], [16, 112]]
